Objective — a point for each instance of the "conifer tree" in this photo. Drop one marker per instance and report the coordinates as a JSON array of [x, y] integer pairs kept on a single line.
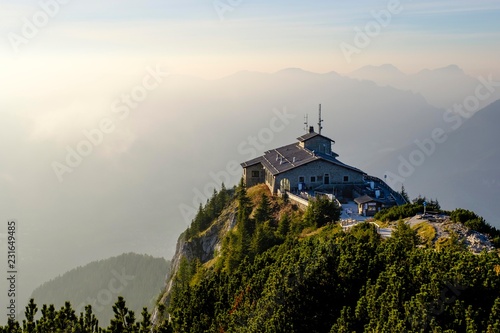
[[284, 225], [29, 313], [321, 211], [145, 324], [222, 198], [88, 321], [404, 194], [124, 320], [65, 317], [244, 208], [263, 210]]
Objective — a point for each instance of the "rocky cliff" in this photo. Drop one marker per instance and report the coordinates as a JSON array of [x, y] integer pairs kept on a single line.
[[202, 246]]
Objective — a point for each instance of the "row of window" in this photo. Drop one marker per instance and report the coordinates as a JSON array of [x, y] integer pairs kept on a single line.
[[320, 179], [313, 179]]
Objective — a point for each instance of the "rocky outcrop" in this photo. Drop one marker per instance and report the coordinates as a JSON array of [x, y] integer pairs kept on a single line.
[[202, 247], [475, 241]]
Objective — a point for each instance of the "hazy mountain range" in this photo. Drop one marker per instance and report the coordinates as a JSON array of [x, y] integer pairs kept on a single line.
[[441, 87], [463, 171]]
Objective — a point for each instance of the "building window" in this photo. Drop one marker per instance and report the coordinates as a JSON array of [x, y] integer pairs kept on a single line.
[[326, 179], [346, 178], [313, 179], [255, 174], [320, 178], [301, 179]]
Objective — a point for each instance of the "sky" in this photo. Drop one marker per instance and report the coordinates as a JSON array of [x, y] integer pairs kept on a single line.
[[66, 65], [212, 39]]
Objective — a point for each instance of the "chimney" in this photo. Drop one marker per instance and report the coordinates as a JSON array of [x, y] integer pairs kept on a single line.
[[311, 129]]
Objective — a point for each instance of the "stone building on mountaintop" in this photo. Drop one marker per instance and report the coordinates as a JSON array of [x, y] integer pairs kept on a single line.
[[310, 166]]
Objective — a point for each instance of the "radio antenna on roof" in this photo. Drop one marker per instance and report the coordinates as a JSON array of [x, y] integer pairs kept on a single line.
[[320, 121]]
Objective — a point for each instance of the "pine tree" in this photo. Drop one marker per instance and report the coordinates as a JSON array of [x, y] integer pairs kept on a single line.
[[88, 321], [321, 211], [29, 313], [263, 210], [124, 320], [145, 324], [65, 317], [404, 194], [284, 225], [246, 225], [222, 199]]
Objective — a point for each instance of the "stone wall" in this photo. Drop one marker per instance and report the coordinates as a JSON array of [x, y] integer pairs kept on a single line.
[[249, 177], [319, 144], [319, 169]]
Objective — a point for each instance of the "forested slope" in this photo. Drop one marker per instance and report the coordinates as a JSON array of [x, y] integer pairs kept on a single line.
[[281, 270], [138, 278]]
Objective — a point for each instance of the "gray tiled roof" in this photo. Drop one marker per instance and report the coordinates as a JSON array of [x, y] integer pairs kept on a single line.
[[364, 199], [292, 156]]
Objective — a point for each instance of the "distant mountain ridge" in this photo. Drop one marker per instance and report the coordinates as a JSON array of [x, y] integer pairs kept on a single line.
[[463, 171], [441, 87], [138, 278]]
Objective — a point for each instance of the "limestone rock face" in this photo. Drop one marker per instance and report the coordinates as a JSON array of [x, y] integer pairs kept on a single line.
[[202, 247]]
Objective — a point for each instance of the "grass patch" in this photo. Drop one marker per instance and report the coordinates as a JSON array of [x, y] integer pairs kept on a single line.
[[383, 224], [426, 232], [442, 243], [309, 231], [255, 193]]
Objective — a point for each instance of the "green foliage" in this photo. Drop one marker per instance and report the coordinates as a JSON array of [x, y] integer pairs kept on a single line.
[[284, 225], [321, 211], [252, 235], [398, 212], [462, 215], [244, 222], [208, 213], [432, 205], [332, 281], [426, 232], [264, 238], [124, 319], [347, 282], [407, 210], [475, 222], [404, 194], [263, 210], [66, 320]]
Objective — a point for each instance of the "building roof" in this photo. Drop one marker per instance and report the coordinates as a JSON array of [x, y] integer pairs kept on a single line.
[[364, 199], [292, 156], [311, 135]]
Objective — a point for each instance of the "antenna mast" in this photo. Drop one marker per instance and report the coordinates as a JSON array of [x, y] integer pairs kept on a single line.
[[320, 121], [306, 122]]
